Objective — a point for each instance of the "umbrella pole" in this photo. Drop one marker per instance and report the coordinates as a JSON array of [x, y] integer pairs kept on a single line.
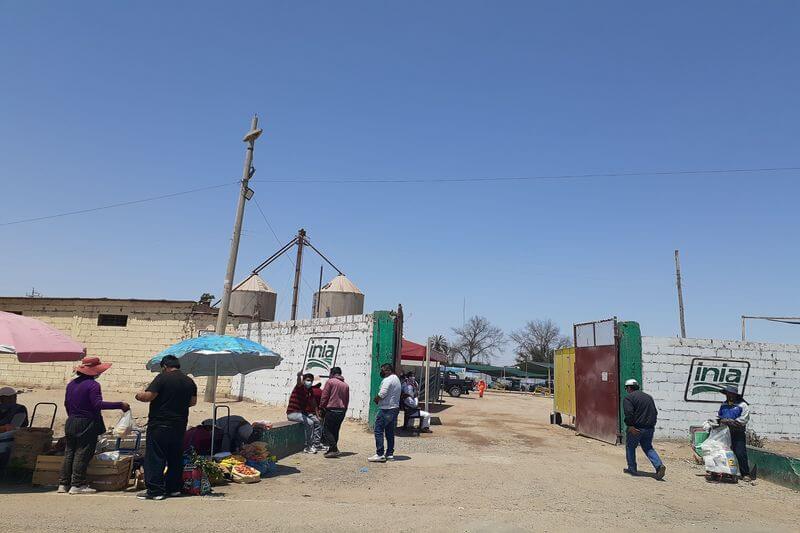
[[214, 409]]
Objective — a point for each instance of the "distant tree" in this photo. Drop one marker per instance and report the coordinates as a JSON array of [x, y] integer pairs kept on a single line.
[[440, 344], [207, 298], [538, 341], [477, 341]]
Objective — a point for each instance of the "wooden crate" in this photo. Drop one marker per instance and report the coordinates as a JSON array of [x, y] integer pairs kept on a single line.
[[101, 475]]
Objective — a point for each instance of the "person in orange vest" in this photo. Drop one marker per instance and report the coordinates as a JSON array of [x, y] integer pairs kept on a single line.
[[481, 388]]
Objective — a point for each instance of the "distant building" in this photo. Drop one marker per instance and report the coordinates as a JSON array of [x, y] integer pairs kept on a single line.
[[125, 332]]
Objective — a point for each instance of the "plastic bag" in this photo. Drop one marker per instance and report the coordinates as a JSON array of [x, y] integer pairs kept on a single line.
[[717, 454], [124, 426]]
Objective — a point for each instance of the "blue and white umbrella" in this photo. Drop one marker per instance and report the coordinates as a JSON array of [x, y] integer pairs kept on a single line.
[[218, 355]]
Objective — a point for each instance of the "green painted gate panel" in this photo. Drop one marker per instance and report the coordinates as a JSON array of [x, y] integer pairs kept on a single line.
[[630, 362], [383, 347]]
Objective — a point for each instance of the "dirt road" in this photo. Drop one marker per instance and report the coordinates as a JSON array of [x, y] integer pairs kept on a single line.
[[495, 465]]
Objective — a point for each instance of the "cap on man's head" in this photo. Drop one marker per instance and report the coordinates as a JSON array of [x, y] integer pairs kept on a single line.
[[730, 389], [8, 391], [631, 383]]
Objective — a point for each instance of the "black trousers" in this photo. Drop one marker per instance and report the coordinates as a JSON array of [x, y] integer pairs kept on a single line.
[[80, 435], [331, 426], [164, 449], [739, 447]]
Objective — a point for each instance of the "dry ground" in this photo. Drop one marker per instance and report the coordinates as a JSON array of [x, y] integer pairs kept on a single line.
[[495, 464]]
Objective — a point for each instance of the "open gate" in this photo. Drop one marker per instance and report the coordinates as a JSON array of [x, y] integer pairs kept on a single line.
[[597, 380]]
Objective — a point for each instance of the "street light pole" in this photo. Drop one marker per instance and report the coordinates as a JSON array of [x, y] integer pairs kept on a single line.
[[245, 194]]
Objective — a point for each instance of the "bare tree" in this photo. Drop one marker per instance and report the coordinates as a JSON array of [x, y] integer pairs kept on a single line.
[[477, 341], [537, 341]]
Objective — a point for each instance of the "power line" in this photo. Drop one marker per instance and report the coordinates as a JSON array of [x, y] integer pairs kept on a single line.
[[407, 180], [527, 178], [119, 204], [278, 240]]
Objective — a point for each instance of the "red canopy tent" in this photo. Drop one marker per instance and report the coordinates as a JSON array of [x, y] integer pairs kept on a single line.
[[411, 351]]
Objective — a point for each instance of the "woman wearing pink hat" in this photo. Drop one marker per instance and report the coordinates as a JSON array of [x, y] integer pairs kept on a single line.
[[84, 403]]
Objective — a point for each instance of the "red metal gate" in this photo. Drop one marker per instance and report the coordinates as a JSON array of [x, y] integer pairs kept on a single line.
[[597, 380]]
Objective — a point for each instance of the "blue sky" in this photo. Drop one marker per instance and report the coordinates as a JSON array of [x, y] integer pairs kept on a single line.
[[105, 103]]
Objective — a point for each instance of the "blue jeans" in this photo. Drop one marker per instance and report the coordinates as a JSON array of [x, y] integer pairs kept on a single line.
[[645, 440], [385, 423]]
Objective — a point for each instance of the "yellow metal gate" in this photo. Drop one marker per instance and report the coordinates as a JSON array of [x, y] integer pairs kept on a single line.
[[564, 396]]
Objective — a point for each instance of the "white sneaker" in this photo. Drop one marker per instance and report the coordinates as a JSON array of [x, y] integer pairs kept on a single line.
[[390, 457], [62, 489], [377, 459], [310, 449], [82, 490]]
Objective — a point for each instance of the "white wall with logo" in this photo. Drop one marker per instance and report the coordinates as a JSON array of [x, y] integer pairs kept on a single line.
[[772, 388], [290, 339]]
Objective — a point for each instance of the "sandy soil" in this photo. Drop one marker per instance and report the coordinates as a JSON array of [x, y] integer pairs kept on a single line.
[[495, 464]]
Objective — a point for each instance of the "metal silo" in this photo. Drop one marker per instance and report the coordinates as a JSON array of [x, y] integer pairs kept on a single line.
[[340, 297], [254, 299]]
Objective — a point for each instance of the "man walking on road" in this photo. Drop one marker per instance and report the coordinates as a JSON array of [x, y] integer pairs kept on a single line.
[[170, 395], [334, 402], [388, 400], [640, 417]]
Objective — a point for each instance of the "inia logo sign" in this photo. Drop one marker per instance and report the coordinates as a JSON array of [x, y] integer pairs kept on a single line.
[[321, 355], [708, 377]]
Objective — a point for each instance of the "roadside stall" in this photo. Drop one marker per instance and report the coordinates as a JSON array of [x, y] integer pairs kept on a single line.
[[31, 341]]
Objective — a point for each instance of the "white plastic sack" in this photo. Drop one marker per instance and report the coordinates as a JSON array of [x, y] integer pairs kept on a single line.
[[717, 454], [124, 426]]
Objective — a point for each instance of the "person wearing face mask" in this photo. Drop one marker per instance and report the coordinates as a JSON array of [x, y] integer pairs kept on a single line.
[[388, 400], [170, 396], [303, 408]]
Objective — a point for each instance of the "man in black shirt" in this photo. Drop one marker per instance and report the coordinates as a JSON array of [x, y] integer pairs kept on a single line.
[[640, 417], [170, 395]]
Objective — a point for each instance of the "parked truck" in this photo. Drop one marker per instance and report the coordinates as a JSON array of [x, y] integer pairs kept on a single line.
[[454, 385]]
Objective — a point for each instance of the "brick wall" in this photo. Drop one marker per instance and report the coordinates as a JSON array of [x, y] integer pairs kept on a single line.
[[290, 340], [151, 327], [773, 385]]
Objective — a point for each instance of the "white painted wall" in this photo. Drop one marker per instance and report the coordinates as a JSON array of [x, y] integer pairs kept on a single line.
[[290, 340], [773, 386]]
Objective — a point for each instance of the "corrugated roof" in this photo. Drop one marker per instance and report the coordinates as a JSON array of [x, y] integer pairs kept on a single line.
[[255, 284], [341, 284]]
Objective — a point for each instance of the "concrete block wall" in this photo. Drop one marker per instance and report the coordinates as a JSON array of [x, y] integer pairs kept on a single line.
[[773, 385], [290, 340], [152, 326]]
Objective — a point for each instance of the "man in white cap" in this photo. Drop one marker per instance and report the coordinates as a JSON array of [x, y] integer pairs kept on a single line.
[[640, 417], [12, 414]]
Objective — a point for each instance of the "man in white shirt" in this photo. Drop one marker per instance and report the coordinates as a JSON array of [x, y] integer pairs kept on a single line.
[[411, 402], [388, 400]]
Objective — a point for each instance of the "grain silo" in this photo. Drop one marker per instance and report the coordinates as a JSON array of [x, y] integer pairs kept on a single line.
[[338, 298], [254, 299]]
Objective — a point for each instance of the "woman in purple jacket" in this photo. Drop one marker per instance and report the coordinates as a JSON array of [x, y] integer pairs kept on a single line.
[[84, 403]]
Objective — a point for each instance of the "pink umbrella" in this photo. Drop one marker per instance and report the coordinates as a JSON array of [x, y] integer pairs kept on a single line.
[[34, 341]]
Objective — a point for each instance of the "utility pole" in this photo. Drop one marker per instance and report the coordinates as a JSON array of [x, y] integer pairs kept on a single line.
[[301, 240], [245, 194], [680, 292]]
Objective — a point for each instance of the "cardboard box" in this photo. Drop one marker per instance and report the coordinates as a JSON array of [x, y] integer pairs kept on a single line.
[[101, 475]]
